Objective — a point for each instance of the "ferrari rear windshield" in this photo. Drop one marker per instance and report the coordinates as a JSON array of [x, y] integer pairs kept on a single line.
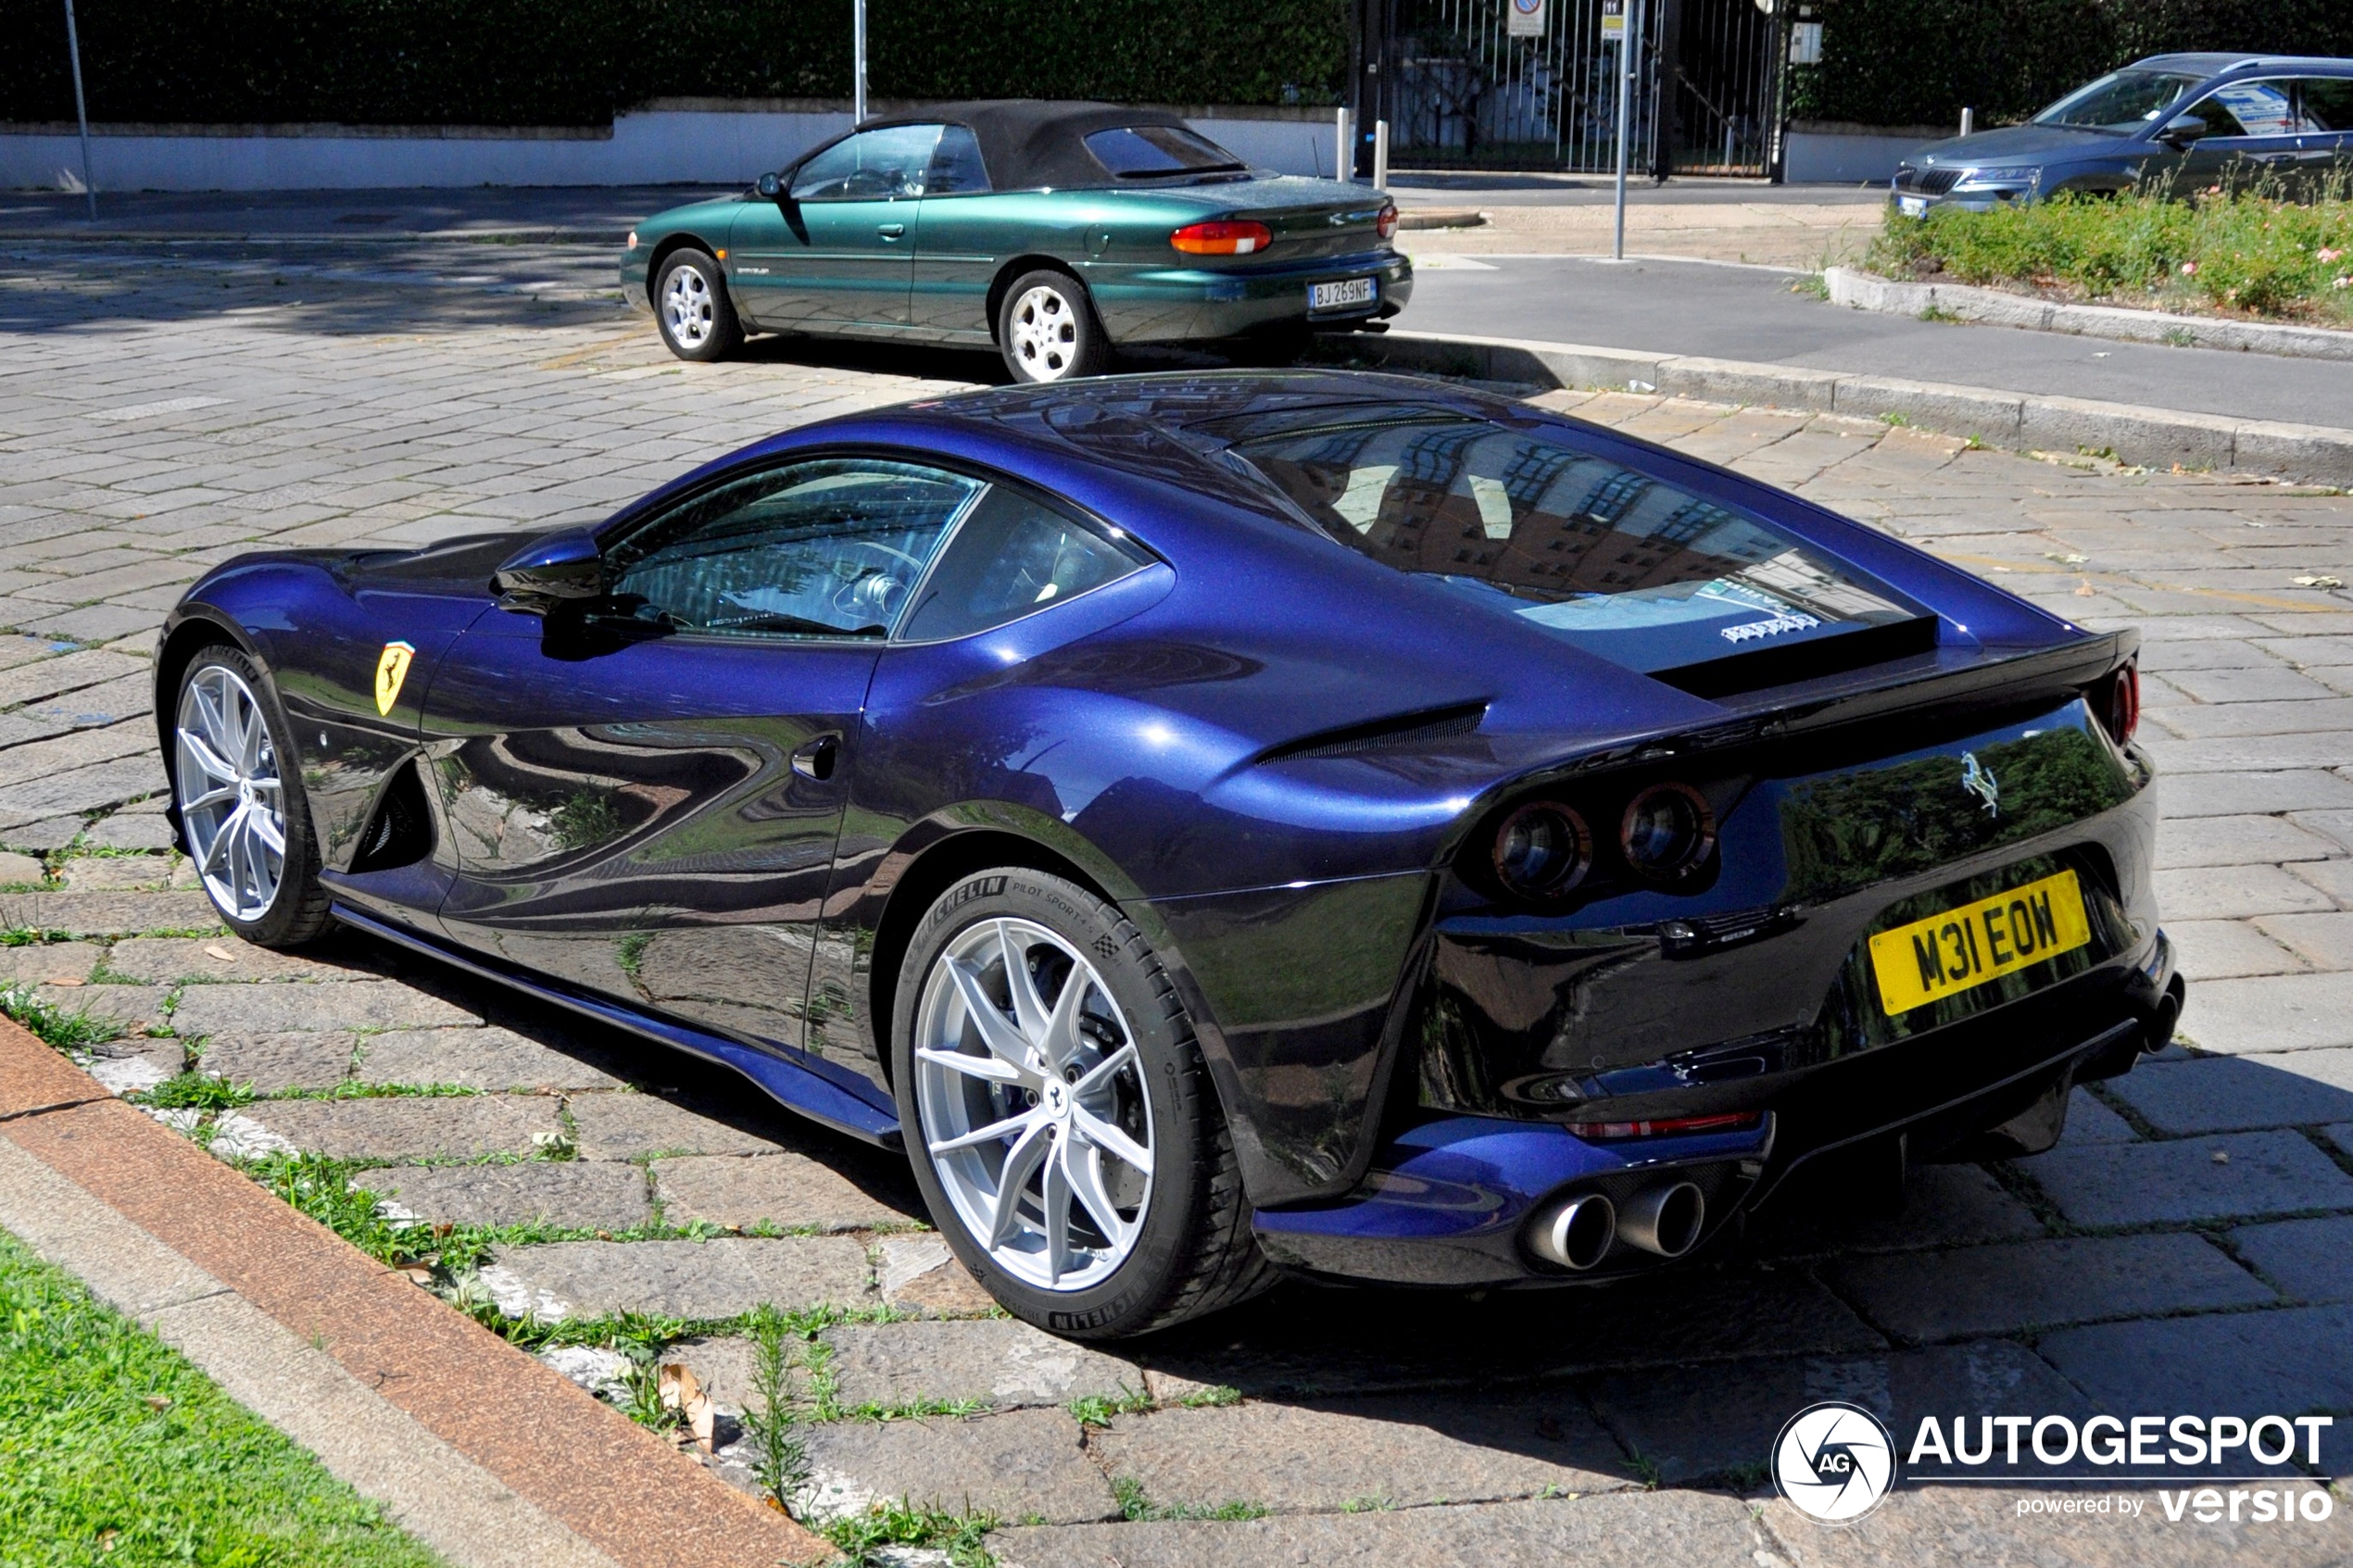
[[1620, 563]]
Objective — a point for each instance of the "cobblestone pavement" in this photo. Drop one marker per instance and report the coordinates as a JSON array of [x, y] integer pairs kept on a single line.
[[2185, 1247]]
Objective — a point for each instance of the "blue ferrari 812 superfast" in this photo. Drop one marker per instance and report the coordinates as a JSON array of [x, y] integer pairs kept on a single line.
[[1228, 824]]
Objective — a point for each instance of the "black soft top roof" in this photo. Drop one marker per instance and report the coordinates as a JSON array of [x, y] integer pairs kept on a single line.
[[1029, 144]]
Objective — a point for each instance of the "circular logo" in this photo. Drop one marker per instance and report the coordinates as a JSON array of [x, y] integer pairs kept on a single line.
[[1834, 1461]]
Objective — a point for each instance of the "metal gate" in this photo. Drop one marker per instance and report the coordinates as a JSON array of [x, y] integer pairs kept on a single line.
[[1461, 92]]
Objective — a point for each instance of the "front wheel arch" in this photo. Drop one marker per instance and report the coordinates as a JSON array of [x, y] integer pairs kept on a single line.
[[180, 649], [668, 246]]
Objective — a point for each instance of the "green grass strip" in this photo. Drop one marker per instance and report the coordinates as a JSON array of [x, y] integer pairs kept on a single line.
[[115, 1450]]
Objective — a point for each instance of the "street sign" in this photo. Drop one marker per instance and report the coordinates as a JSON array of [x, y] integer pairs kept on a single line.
[[1613, 21], [1526, 20]]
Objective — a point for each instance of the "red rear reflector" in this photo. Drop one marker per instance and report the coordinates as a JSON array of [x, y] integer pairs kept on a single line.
[[1222, 238], [2124, 702], [1736, 1122], [1386, 224]]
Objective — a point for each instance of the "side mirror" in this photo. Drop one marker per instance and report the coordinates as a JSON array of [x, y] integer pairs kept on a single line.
[[556, 570], [2182, 130], [768, 186]]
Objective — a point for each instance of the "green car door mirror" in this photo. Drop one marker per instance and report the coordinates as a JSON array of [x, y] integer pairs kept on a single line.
[[770, 186]]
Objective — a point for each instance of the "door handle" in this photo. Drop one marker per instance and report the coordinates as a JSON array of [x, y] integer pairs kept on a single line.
[[816, 759], [891, 230]]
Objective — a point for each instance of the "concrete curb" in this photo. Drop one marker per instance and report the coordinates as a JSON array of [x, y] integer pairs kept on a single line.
[[2152, 437], [481, 1451], [1862, 291]]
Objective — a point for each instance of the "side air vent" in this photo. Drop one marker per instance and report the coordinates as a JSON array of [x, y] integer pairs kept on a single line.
[[1403, 732], [401, 833]]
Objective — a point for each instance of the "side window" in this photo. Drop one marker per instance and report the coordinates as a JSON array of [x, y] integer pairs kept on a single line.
[[2247, 109], [871, 166], [2220, 121], [1013, 555], [956, 168], [2328, 103], [828, 548]]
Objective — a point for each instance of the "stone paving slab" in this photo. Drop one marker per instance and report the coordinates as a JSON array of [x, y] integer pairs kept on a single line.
[[2325, 941], [107, 914], [1946, 1204], [2287, 1013], [170, 959], [2013, 1286], [272, 1063], [919, 1275], [2235, 893], [790, 1191], [1397, 1450], [434, 1127], [2224, 950], [2307, 1260], [41, 962], [1694, 1424], [2228, 1094], [1020, 1464], [1615, 1530], [2291, 1361], [1001, 1361], [133, 1007], [2220, 1176], [359, 1004], [492, 1057], [2090, 1121], [723, 1278], [629, 1126], [572, 1195]]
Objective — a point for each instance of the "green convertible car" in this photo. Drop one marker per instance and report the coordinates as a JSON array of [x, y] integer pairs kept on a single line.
[[1060, 233]]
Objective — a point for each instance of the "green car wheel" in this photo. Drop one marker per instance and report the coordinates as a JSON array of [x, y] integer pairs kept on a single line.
[[1047, 329], [698, 320]]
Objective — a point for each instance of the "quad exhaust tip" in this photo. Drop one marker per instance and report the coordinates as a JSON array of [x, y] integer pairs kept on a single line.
[[1578, 1234], [1665, 1220]]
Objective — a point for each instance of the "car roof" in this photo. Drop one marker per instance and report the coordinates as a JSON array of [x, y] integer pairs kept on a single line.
[[1222, 403], [1034, 143], [2215, 63]]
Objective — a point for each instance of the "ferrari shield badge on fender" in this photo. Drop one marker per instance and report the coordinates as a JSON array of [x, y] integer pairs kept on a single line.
[[391, 669]]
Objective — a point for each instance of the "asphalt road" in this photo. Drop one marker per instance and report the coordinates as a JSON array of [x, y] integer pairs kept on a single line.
[[1729, 312]]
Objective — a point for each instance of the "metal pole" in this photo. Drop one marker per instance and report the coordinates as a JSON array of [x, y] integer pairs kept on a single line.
[[1342, 168], [80, 111], [1625, 101], [858, 61], [1380, 154]]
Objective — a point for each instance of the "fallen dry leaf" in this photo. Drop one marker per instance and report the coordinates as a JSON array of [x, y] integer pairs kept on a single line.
[[62, 980], [418, 1273], [2085, 590], [159, 1401], [214, 950], [2222, 1157], [2317, 581], [682, 1392]]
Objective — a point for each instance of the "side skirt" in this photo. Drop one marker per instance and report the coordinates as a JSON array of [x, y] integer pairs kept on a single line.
[[794, 1079]]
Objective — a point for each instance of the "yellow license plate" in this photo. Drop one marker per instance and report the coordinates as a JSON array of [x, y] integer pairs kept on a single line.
[[1949, 953]]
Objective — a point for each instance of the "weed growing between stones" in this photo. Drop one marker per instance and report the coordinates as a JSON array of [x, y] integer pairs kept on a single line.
[[197, 1091], [860, 1536], [779, 1456], [1137, 1508], [1212, 1399], [1097, 1410], [76, 1032]]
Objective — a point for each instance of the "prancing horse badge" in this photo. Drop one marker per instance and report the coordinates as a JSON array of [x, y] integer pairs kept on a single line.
[[391, 669]]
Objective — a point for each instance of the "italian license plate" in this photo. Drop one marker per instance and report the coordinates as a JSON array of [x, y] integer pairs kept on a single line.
[[1912, 206], [1341, 294], [1964, 947]]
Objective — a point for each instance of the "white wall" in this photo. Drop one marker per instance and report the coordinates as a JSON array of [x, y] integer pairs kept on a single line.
[[1848, 157], [651, 147]]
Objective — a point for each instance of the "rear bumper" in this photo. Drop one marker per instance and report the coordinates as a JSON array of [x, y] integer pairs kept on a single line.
[[1451, 1202], [1165, 305]]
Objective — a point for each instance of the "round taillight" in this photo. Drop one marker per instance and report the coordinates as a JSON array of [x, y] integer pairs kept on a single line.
[[1543, 851], [1386, 224], [2124, 702], [1667, 832]]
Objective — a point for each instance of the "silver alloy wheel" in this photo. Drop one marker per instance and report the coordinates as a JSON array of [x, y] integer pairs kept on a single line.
[[232, 802], [1045, 333], [1035, 1104], [687, 308]]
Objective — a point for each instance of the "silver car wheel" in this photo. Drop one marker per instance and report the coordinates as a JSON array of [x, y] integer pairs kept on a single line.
[[1045, 333], [1036, 1110], [231, 801], [687, 308]]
